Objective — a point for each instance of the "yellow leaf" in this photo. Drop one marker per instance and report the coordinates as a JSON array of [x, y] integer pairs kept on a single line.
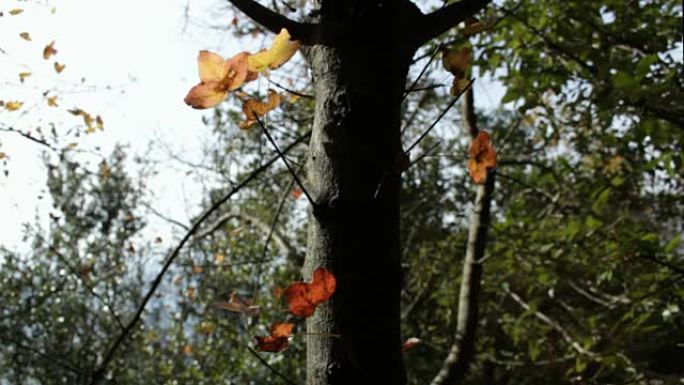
[[59, 67], [16, 11], [52, 101], [49, 50], [23, 75], [280, 52], [253, 108], [25, 36], [219, 258], [13, 105]]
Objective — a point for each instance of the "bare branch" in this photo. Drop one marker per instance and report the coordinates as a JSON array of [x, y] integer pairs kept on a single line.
[[555, 325], [462, 350], [443, 19], [274, 21], [98, 375]]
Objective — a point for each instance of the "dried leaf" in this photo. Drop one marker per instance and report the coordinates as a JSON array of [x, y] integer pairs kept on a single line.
[[16, 11], [409, 343], [280, 52], [239, 305], [482, 157], [253, 108], [302, 298], [13, 105], [52, 101], [278, 340], [25, 35], [49, 50], [217, 78], [59, 67], [457, 61], [23, 75], [296, 193], [472, 26]]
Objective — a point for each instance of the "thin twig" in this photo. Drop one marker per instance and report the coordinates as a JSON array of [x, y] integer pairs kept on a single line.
[[42, 355], [274, 370], [274, 223], [422, 72], [98, 374], [289, 90], [441, 115], [281, 156]]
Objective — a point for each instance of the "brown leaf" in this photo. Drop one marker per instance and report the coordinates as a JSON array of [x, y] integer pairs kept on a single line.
[[278, 340], [49, 50], [25, 35], [59, 67]]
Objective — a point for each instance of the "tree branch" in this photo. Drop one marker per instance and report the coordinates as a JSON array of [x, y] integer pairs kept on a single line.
[[436, 23], [462, 350], [274, 21], [98, 375]]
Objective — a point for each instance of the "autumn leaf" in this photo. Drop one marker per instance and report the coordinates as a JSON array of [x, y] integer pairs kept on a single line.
[[472, 26], [13, 105], [16, 11], [197, 269], [217, 78], [481, 157], [302, 298], [219, 258], [239, 305], [87, 119], [278, 340], [296, 193], [187, 350], [49, 50], [280, 52], [52, 101], [409, 343], [23, 76], [25, 35], [99, 123], [457, 61], [59, 67], [254, 108]]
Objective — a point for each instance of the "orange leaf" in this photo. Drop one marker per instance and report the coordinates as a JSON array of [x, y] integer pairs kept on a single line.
[[49, 50], [409, 343], [254, 108], [296, 193], [278, 340], [482, 157], [59, 67], [302, 298], [217, 78]]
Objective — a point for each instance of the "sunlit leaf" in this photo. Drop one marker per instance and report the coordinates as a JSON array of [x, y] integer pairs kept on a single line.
[[217, 78], [280, 52], [481, 157], [13, 105], [409, 343]]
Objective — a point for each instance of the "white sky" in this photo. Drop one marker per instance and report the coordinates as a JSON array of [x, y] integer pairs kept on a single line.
[[139, 48]]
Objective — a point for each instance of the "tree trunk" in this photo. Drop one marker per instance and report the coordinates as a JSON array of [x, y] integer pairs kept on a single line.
[[354, 226]]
